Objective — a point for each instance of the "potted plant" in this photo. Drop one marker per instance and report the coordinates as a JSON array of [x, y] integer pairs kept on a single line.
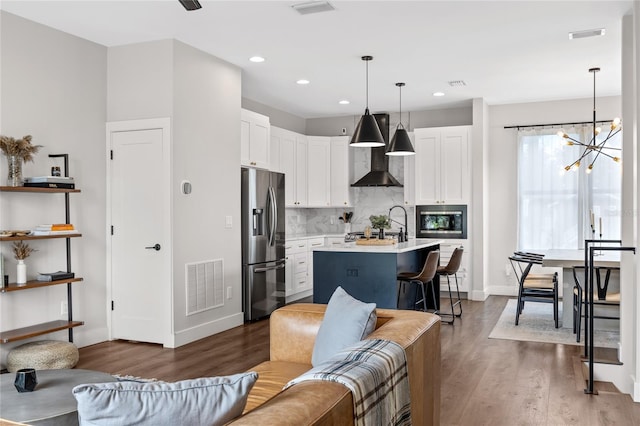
[[21, 251], [380, 223], [17, 152]]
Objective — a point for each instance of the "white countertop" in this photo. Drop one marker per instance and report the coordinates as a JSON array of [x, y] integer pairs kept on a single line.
[[352, 247], [570, 258], [294, 237]]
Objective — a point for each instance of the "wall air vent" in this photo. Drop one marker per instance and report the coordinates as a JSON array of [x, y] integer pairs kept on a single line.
[[457, 83], [309, 7], [586, 33], [205, 285]]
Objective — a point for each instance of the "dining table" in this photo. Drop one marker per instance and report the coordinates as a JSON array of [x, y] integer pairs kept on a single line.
[[567, 259]]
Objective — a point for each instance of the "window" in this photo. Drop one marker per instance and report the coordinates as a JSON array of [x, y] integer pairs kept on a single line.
[[555, 206]]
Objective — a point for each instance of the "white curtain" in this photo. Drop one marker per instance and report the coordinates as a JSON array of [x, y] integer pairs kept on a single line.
[[555, 206]]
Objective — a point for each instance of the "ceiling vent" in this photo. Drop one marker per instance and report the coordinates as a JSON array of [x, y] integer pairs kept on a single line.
[[309, 7], [586, 33], [457, 83]]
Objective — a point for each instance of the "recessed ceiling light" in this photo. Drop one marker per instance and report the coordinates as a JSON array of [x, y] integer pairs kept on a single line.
[[256, 59], [344, 102], [586, 33], [438, 93], [302, 81]]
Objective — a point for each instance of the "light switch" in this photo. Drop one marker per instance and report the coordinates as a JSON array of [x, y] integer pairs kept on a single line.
[[228, 223]]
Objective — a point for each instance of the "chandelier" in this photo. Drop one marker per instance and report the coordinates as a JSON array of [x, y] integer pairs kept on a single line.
[[594, 146]]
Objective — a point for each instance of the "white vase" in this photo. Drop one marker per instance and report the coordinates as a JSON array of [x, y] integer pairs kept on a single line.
[[21, 272]]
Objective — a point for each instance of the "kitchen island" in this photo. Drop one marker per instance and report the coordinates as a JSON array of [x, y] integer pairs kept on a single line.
[[368, 273]]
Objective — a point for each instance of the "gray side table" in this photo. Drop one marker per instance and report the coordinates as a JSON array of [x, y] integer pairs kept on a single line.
[[51, 403]]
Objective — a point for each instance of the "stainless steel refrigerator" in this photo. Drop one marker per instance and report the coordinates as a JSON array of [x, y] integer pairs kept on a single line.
[[263, 238]]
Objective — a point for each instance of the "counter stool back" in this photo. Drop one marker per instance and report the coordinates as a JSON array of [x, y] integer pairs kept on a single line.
[[452, 269], [422, 279]]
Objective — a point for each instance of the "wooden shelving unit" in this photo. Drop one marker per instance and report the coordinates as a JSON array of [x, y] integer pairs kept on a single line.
[[37, 330], [36, 284], [50, 326], [35, 189], [40, 237]]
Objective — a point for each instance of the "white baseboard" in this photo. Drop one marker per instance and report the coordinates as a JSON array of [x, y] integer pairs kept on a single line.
[[90, 337], [503, 290], [478, 295], [205, 330]]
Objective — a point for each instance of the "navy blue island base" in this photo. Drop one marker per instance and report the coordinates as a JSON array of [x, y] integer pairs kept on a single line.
[[369, 273]]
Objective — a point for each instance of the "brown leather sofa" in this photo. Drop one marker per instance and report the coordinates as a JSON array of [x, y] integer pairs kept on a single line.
[[293, 329]]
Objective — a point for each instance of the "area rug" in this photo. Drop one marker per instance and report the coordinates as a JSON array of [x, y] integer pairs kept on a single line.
[[536, 325]]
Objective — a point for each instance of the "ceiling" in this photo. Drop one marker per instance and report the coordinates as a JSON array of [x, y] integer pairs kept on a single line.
[[505, 51]]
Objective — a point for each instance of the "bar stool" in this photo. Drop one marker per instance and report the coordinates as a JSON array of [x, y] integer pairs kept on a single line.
[[425, 277], [452, 269]]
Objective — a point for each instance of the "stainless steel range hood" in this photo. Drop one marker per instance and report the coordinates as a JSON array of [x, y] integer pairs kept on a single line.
[[379, 174]]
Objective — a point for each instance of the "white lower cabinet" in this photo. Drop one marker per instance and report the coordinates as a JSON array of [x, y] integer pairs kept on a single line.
[[333, 241], [299, 267], [312, 243], [464, 273]]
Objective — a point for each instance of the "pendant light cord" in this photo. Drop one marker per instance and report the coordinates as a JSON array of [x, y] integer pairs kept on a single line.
[[367, 80], [400, 119]]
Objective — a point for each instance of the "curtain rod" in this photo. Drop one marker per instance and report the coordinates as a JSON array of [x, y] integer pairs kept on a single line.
[[522, 126]]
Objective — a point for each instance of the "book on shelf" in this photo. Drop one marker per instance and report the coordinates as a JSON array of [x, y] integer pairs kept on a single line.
[[49, 179], [54, 229], [50, 185], [55, 276]]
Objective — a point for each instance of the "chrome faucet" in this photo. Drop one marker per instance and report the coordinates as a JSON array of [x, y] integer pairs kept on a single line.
[[404, 237]]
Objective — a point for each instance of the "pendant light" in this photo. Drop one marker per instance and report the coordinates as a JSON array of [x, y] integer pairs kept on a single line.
[[367, 133], [400, 143]]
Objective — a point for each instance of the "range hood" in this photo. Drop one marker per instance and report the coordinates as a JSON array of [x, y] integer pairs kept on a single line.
[[379, 174]]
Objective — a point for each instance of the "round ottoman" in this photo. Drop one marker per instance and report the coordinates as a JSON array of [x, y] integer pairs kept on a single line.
[[43, 355]]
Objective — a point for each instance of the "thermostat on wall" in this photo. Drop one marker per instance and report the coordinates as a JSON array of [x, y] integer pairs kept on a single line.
[[185, 186]]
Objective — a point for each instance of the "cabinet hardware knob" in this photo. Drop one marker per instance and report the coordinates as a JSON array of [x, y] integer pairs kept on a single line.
[[155, 247]]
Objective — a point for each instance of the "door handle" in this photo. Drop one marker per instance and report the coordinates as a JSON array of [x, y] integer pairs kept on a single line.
[[154, 247]]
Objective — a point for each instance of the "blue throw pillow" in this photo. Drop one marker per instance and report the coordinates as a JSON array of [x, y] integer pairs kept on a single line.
[[204, 401], [346, 321]]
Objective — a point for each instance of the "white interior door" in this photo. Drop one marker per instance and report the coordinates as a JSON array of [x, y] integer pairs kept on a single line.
[[140, 284]]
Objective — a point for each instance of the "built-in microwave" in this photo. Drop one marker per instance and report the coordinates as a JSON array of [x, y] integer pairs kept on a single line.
[[441, 221]]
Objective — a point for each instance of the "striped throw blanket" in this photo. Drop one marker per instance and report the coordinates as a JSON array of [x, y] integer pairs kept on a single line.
[[376, 373]]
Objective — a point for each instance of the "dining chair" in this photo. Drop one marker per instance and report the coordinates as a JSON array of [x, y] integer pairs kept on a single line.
[[423, 279], [534, 287], [601, 296]]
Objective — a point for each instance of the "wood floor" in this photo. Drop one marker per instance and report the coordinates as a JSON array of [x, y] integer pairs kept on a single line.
[[484, 381]]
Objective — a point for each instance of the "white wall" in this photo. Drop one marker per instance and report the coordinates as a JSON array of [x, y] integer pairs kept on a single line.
[[502, 173], [140, 81], [201, 95], [277, 117], [206, 151], [332, 126], [54, 88]]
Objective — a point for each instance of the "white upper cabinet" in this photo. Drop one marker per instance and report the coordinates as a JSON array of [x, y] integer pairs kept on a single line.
[[300, 186], [254, 139], [318, 171], [316, 168], [442, 165], [339, 171], [289, 156]]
